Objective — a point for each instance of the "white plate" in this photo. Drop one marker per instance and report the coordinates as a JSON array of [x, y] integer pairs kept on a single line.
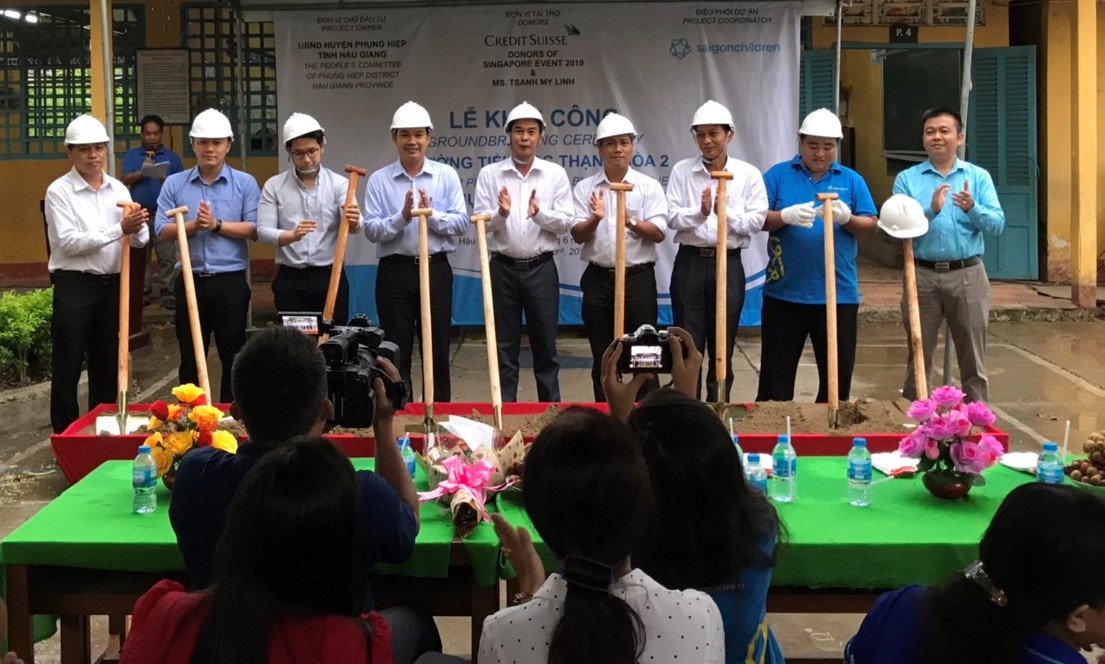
[[1022, 461], [888, 462]]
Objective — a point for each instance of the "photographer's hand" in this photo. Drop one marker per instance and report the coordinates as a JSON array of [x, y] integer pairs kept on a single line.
[[389, 461], [686, 361], [620, 396]]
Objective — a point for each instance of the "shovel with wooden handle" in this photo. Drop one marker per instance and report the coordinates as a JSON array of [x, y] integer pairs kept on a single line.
[[480, 220], [619, 189], [920, 378], [427, 342], [721, 286], [120, 423], [190, 297], [339, 251], [830, 308]]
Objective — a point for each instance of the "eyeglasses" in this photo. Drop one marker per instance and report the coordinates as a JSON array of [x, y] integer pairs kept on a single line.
[[312, 153]]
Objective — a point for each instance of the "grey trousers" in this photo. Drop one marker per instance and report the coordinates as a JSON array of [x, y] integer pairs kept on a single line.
[[962, 297], [166, 261]]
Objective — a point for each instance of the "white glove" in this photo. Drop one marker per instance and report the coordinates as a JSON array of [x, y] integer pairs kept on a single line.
[[801, 214], [842, 214]]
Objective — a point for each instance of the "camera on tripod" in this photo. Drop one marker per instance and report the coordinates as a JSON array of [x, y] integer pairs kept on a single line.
[[351, 354]]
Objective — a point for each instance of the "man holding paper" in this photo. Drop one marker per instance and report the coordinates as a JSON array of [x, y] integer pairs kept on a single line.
[[144, 171]]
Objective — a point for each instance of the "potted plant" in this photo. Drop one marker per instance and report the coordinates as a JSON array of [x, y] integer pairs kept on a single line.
[[952, 463]]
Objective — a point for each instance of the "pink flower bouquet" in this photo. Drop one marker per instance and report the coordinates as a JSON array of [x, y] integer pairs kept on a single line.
[[942, 439]]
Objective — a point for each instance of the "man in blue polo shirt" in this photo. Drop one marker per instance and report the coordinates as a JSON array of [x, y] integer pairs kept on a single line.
[[794, 293], [145, 190], [222, 217], [961, 204]]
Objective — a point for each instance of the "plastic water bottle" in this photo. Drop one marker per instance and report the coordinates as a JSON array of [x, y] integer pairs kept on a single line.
[[407, 453], [859, 473], [1049, 466], [740, 452], [144, 476], [755, 474], [785, 468]]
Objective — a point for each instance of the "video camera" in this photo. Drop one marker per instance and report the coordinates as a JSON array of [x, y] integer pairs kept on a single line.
[[351, 352], [645, 351]]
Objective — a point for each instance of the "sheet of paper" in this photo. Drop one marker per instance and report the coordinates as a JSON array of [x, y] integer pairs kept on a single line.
[[476, 434], [155, 170]]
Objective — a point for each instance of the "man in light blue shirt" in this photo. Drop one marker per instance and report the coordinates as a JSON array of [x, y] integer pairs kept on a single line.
[[393, 191], [221, 218], [961, 204], [301, 213]]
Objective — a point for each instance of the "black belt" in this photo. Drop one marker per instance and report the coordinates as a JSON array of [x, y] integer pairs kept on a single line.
[[705, 252], [92, 277], [306, 268], [523, 263], [629, 269], [210, 275], [439, 257], [948, 266]]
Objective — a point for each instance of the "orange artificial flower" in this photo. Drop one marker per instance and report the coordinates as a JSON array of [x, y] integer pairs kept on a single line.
[[187, 392], [163, 459], [175, 410], [224, 440], [153, 440], [154, 423], [206, 417], [178, 443]]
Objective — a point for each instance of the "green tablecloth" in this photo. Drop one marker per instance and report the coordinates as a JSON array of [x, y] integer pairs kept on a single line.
[[91, 525], [905, 536]]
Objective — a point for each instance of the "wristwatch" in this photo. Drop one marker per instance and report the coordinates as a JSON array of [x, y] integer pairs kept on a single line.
[[218, 226]]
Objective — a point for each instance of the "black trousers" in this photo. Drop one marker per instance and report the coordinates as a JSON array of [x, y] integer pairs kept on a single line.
[[85, 324], [783, 331], [694, 308], [597, 284], [535, 292], [398, 304], [304, 289], [223, 303]]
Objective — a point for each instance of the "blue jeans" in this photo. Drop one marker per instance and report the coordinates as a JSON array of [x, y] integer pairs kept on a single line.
[[413, 633]]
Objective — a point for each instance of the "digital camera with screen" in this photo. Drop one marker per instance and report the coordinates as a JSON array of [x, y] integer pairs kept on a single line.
[[645, 351]]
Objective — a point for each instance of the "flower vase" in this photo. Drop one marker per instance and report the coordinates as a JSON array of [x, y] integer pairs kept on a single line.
[[945, 485], [169, 478]]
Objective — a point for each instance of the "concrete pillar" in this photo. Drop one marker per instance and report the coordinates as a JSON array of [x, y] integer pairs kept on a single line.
[[1084, 158]]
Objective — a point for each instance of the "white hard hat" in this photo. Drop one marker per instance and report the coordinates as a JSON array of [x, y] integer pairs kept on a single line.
[[85, 130], [525, 111], [211, 124], [821, 122], [902, 217], [299, 124], [614, 125], [712, 113], [411, 116]]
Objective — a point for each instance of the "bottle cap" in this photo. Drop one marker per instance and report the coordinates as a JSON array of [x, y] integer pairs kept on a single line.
[[859, 442], [736, 439], [1050, 446], [143, 449], [784, 439], [753, 458]]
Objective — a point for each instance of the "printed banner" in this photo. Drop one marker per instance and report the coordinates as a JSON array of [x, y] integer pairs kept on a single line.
[[653, 62]]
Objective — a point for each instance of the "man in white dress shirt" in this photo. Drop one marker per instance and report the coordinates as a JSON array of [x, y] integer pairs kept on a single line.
[[300, 213], [692, 206], [595, 227], [530, 202], [413, 181], [85, 227]]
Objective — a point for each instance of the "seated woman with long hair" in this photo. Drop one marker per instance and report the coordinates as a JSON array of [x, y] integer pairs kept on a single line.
[[588, 495], [287, 578], [1036, 594], [711, 531]]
